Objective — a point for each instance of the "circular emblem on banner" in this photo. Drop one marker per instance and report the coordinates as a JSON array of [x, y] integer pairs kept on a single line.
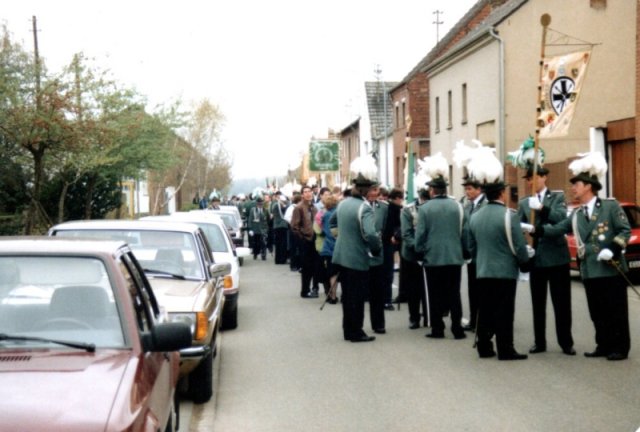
[[561, 92]]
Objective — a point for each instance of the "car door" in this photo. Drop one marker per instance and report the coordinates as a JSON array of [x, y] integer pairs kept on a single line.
[[157, 372]]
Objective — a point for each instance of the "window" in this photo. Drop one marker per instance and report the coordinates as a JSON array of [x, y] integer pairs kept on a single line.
[[397, 118], [449, 110], [404, 114], [464, 103], [437, 114]]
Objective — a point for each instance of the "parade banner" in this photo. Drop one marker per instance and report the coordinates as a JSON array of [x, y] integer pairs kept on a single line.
[[561, 81], [324, 155]]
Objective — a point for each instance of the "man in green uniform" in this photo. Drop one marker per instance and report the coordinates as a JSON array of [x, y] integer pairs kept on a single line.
[[602, 231], [551, 263], [356, 242]]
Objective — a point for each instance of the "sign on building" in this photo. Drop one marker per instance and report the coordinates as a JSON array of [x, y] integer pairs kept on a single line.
[[324, 155]]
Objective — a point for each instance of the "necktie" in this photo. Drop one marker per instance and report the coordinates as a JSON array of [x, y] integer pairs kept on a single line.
[[585, 209], [473, 206]]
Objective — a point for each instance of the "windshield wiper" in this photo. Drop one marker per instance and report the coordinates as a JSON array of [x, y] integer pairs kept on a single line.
[[162, 272], [89, 347]]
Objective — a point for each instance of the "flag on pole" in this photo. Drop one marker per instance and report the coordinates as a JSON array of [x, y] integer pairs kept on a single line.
[[410, 166], [561, 81]]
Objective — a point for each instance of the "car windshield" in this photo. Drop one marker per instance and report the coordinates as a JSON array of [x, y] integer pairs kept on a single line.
[[633, 214], [59, 298], [167, 252], [215, 237]]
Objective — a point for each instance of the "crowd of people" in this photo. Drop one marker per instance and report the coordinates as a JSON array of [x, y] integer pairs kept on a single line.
[[355, 239]]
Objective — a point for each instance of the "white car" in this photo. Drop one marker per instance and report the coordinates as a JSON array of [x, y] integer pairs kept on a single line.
[[232, 220], [223, 251]]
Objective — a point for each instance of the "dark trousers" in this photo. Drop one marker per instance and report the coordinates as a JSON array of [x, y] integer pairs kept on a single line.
[[444, 294], [377, 292], [473, 293], [609, 311], [558, 279], [295, 251], [388, 251], [495, 315], [259, 245], [354, 285], [310, 259], [280, 243], [413, 277]]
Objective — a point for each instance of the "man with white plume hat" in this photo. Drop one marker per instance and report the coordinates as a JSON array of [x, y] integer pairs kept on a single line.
[[497, 244], [356, 241], [602, 231], [439, 244], [550, 265]]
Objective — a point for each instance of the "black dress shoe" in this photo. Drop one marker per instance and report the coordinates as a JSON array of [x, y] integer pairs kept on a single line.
[[512, 355], [486, 354], [389, 307], [332, 301], [596, 353], [308, 295], [435, 335], [616, 356], [459, 335], [468, 328], [569, 351], [379, 330], [363, 338], [535, 349], [414, 325]]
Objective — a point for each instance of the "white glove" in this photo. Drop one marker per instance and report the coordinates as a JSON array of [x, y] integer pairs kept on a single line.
[[531, 251], [605, 255], [528, 228], [251, 233], [534, 203]]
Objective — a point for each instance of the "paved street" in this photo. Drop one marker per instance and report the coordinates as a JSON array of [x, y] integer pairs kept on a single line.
[[287, 368]]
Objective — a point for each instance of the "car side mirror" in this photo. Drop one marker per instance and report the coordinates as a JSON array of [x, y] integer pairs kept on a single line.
[[219, 270], [167, 337]]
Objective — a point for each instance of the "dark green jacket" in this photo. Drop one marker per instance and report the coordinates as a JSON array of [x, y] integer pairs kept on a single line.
[[257, 221], [278, 208], [490, 245], [357, 234], [468, 212], [408, 222], [381, 211], [439, 232], [608, 227]]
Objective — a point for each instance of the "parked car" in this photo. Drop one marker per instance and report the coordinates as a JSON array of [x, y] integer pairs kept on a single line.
[[176, 258], [632, 251], [232, 221], [223, 251], [83, 343]]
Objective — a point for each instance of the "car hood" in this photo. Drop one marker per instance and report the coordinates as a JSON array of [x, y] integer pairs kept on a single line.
[[177, 295], [59, 389]]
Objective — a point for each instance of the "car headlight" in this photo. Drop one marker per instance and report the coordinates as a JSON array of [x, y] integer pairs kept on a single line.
[[197, 322]]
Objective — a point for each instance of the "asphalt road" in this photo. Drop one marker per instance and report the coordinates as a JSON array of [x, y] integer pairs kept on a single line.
[[287, 368]]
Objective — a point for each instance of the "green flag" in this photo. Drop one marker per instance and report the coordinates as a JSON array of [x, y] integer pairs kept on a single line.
[[408, 180]]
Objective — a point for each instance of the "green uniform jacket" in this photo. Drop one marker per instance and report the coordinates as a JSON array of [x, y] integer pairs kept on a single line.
[[257, 222], [278, 208], [408, 221], [357, 234], [490, 245], [607, 228], [380, 211], [550, 251], [439, 232]]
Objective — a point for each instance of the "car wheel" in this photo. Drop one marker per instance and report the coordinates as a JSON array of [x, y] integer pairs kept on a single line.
[[240, 261], [230, 320], [201, 380]]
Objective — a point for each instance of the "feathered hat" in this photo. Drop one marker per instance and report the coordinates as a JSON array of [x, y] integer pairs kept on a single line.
[[364, 171], [214, 196], [258, 194], [436, 168], [462, 155], [524, 158], [588, 169], [485, 168]]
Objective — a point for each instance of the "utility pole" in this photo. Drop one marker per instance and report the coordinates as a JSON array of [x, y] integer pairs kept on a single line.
[[437, 22], [37, 61], [378, 72]]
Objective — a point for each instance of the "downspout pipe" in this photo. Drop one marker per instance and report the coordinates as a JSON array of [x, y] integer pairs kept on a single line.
[[494, 34]]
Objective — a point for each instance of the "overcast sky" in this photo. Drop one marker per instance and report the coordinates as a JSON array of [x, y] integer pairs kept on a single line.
[[281, 71]]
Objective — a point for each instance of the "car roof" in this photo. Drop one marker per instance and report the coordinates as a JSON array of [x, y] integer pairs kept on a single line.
[[58, 245], [142, 225], [190, 217]]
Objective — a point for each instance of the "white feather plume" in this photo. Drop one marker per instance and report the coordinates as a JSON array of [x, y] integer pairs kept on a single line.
[[365, 166], [420, 180], [436, 166], [485, 166], [593, 163], [463, 153], [257, 193], [312, 181], [287, 189]]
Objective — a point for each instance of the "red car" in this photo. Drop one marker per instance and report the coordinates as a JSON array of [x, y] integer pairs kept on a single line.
[[632, 252], [83, 345]]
